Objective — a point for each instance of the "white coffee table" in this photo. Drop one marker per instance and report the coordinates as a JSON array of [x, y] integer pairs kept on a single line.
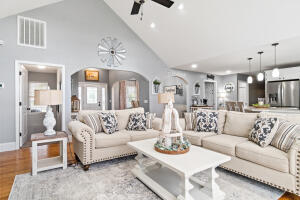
[[172, 176]]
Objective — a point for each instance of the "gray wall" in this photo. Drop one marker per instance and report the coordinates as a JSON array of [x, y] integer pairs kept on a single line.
[[74, 28], [50, 78]]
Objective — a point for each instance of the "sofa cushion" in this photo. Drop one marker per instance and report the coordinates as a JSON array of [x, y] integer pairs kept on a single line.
[[223, 143], [93, 121], [196, 137], [137, 122], [142, 135], [103, 140], [206, 121], [263, 131], [268, 156], [82, 113], [123, 116], [109, 122], [239, 124], [285, 135]]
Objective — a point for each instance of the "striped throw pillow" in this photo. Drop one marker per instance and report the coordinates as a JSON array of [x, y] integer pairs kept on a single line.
[[285, 136], [93, 121]]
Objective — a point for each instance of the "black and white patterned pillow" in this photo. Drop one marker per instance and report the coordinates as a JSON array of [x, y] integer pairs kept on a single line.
[[263, 131], [109, 122], [206, 121], [137, 122]]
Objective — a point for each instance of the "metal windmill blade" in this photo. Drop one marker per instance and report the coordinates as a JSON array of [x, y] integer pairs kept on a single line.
[[111, 51]]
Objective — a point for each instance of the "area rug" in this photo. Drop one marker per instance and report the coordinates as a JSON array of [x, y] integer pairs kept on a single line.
[[112, 180]]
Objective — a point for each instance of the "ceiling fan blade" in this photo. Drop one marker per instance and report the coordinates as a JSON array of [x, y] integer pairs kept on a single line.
[[166, 3], [136, 8]]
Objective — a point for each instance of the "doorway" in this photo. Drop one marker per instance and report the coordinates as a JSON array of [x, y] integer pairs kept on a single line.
[[92, 96], [210, 91], [31, 76], [243, 92]]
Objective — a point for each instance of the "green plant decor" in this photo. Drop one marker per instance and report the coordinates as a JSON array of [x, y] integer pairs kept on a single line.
[[197, 85], [156, 82]]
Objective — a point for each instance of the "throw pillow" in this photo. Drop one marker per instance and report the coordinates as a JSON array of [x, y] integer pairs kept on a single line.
[[137, 122], [189, 121], [285, 135], [109, 122], [263, 131], [93, 121], [150, 117], [207, 121]]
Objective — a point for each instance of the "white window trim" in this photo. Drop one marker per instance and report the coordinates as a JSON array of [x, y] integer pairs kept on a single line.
[[34, 20]]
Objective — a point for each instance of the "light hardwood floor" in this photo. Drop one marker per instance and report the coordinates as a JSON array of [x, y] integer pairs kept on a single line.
[[19, 162]]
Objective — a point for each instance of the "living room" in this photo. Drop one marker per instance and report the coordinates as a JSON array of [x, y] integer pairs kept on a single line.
[[157, 99]]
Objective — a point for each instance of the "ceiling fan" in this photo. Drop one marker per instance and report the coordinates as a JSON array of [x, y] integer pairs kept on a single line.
[[138, 3]]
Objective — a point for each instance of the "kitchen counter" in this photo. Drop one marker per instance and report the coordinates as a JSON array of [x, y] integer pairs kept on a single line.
[[272, 109]]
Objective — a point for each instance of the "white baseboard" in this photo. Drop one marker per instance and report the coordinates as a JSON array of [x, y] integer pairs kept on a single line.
[[10, 146]]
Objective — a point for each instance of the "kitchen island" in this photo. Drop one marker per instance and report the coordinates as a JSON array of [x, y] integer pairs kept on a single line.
[[272, 109]]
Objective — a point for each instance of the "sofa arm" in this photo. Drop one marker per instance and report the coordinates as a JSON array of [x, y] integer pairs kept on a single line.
[[294, 157], [84, 141]]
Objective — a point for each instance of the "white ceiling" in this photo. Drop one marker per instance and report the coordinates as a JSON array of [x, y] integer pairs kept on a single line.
[[12, 7], [217, 35]]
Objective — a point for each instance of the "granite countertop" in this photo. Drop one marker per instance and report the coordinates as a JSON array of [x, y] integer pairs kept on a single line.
[[273, 109]]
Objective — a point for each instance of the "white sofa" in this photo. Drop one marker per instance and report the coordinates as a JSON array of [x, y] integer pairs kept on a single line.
[[91, 147], [268, 165]]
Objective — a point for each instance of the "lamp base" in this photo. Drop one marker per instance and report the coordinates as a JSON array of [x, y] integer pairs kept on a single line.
[[49, 122]]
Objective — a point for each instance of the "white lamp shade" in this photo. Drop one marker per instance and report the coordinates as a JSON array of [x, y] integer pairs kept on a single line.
[[250, 79], [165, 97], [47, 97], [260, 76], [275, 73]]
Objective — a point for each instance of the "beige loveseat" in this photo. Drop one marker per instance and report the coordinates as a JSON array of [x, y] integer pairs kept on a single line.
[[268, 165], [91, 147]]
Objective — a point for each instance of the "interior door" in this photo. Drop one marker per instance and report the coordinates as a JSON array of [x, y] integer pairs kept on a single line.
[[243, 92], [210, 93], [23, 118], [93, 96]]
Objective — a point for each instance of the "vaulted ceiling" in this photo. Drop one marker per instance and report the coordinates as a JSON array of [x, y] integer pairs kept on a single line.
[[216, 35]]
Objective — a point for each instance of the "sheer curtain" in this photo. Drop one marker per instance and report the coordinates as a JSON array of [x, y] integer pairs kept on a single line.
[[129, 91]]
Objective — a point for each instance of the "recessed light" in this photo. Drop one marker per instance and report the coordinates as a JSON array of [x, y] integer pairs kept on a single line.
[[228, 72], [152, 25], [194, 66], [42, 67], [181, 6]]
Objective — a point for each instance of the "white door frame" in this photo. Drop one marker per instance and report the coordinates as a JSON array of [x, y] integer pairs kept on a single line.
[[18, 64], [215, 91]]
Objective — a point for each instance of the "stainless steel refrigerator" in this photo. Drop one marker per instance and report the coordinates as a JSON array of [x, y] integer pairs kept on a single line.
[[284, 93]]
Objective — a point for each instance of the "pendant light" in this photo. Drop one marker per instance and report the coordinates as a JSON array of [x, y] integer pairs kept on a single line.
[[249, 79], [275, 72], [260, 75]]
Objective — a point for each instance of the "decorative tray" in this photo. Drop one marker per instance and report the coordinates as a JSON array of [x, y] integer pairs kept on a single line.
[[176, 148], [261, 106]]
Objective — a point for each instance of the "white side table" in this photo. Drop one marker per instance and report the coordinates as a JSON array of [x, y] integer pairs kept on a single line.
[[49, 163]]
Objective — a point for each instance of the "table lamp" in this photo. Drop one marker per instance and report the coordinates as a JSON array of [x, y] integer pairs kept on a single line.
[[48, 98]]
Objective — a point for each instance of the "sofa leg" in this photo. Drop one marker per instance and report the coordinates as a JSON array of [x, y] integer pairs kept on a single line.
[[77, 159], [86, 167]]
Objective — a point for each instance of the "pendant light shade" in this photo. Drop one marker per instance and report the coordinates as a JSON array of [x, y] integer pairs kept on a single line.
[[275, 72], [260, 75], [249, 79]]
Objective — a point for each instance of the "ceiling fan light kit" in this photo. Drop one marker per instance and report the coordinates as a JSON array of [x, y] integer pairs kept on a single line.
[[138, 5]]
